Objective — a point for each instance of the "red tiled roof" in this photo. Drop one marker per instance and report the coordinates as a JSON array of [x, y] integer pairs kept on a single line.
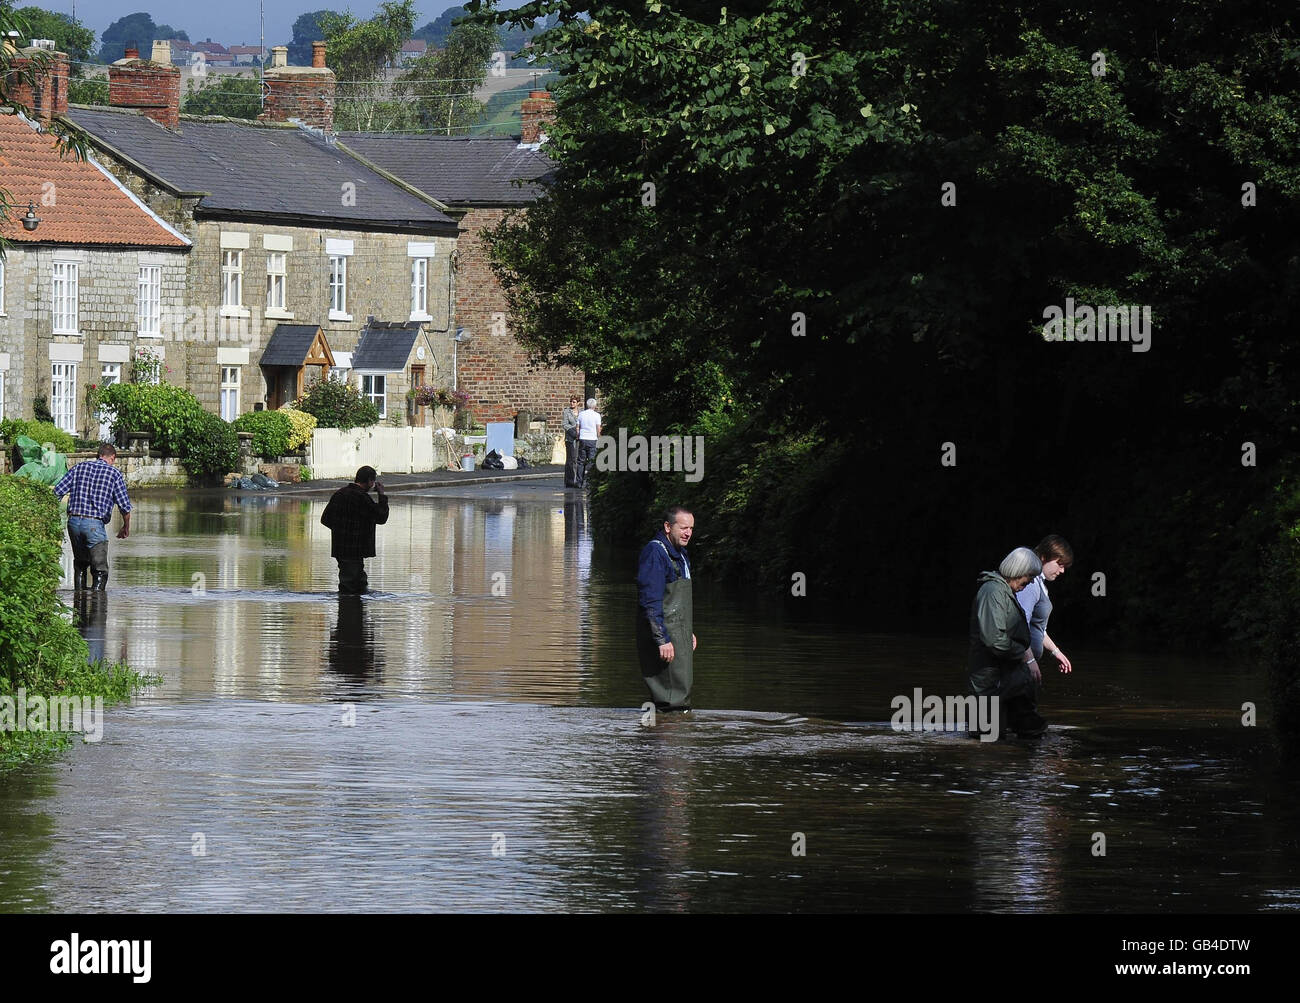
[[415, 45], [87, 208], [244, 50]]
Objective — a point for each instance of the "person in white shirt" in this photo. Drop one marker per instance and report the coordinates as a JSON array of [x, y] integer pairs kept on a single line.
[[588, 432]]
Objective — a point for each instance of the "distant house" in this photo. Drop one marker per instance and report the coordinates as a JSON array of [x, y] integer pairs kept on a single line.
[[412, 49], [214, 52], [296, 241], [88, 287], [245, 55], [480, 180]]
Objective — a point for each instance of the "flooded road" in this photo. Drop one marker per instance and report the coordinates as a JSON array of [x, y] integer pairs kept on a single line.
[[470, 739]]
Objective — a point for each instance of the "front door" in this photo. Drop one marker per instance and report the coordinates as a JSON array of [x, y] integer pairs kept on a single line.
[[417, 381]]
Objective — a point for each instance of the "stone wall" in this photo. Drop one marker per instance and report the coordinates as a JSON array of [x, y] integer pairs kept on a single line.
[[143, 469], [493, 367]]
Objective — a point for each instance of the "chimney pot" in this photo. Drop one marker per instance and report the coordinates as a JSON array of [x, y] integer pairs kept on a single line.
[[131, 52], [318, 55], [279, 56]]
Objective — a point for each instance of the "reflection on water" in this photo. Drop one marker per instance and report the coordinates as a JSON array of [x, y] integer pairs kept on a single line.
[[469, 738]]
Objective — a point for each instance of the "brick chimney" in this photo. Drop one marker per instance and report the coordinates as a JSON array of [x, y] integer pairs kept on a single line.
[[305, 93], [538, 109], [151, 85], [46, 93]]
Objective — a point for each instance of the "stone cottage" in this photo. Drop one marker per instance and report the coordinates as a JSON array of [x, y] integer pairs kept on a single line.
[[84, 286], [289, 231]]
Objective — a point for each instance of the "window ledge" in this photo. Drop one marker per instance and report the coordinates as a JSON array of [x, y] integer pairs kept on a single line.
[[277, 314], [68, 334], [153, 335], [334, 315], [236, 311], [421, 317]]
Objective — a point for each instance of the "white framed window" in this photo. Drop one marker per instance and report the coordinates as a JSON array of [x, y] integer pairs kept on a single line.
[[229, 392], [339, 288], [276, 267], [65, 297], [149, 299], [63, 395], [232, 278], [2, 288], [109, 373], [419, 288], [373, 386]]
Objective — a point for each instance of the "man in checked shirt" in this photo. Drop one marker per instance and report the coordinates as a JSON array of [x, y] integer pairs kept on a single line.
[[93, 488]]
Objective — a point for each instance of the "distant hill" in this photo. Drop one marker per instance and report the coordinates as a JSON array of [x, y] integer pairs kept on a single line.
[[512, 40]]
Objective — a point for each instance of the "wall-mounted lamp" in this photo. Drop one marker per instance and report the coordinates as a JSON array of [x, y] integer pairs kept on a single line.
[[31, 221]]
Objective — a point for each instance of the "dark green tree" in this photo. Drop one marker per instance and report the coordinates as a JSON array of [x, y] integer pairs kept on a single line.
[[827, 238], [137, 28], [88, 90], [69, 34], [306, 29], [166, 31]]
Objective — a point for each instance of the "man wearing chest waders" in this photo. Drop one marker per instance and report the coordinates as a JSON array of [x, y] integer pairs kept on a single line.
[[663, 622]]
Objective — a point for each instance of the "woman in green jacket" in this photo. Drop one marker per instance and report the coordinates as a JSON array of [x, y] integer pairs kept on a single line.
[[1001, 661]]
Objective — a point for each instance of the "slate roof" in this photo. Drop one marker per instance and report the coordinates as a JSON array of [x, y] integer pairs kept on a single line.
[[289, 345], [89, 206], [254, 169], [461, 171], [385, 346]]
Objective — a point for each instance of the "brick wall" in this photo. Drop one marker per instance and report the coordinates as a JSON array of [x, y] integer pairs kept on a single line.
[[493, 367], [304, 93], [48, 96], [154, 88], [536, 111]]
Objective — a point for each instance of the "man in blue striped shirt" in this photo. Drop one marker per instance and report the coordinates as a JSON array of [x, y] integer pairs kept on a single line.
[[93, 488]]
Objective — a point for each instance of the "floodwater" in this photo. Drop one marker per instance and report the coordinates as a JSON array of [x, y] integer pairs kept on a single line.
[[470, 739]]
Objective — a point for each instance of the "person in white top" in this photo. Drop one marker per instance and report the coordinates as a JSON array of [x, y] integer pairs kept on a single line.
[[588, 432]]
